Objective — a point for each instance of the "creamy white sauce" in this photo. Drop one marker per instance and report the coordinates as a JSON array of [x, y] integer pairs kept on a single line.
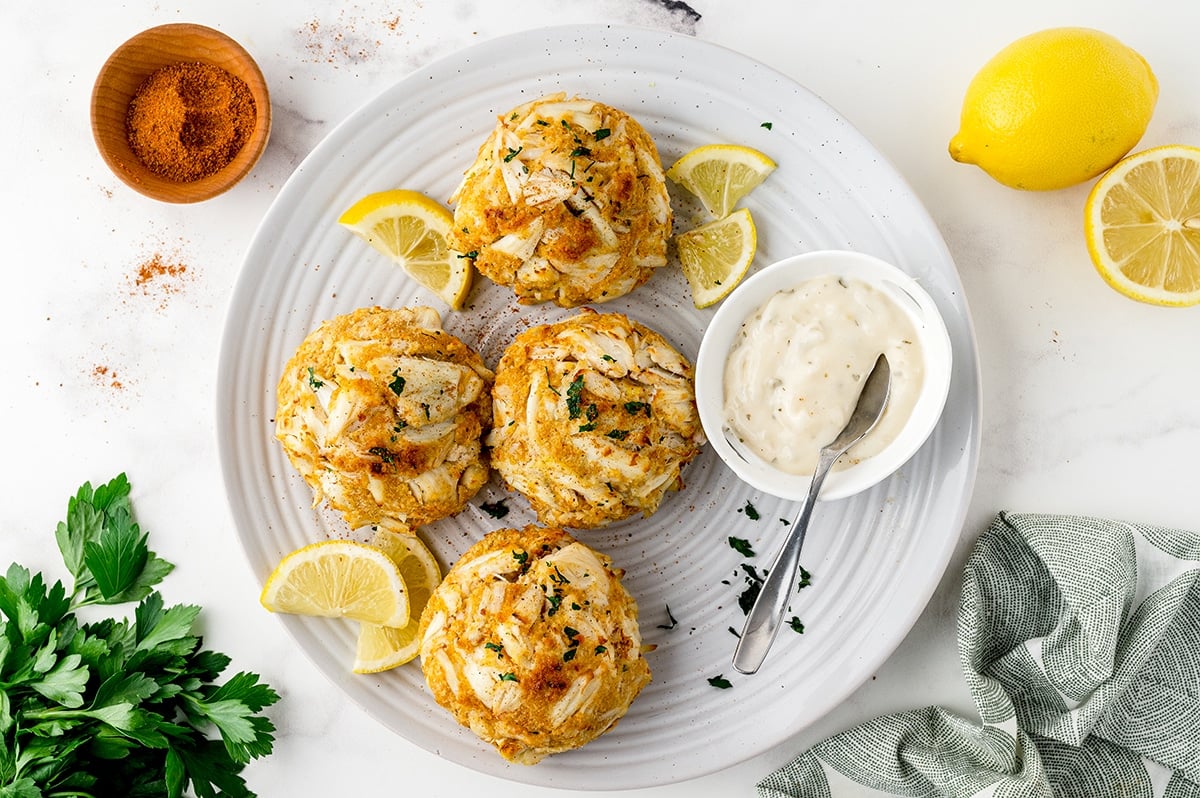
[[797, 366]]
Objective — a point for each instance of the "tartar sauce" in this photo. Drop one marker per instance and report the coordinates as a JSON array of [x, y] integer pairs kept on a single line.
[[797, 366]]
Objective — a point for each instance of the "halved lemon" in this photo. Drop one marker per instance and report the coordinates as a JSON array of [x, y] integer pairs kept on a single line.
[[716, 256], [1142, 224], [339, 579], [410, 228], [383, 647], [721, 174]]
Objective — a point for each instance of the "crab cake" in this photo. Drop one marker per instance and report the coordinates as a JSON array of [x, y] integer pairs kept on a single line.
[[382, 412], [566, 202], [594, 418], [532, 643]]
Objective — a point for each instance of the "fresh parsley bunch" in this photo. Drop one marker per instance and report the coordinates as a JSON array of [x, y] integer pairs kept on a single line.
[[120, 707]]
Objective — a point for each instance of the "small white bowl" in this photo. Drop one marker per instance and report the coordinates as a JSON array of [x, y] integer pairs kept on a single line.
[[789, 273]]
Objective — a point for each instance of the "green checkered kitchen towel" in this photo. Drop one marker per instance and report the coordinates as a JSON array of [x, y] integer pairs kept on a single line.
[[1080, 641]]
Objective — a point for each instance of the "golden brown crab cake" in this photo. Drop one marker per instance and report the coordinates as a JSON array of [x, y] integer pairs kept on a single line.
[[382, 412], [594, 418], [532, 643], [566, 202]]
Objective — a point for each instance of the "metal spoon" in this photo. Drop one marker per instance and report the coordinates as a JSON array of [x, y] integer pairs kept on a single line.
[[766, 616]]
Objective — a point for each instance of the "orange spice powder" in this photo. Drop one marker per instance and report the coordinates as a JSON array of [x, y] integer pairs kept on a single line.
[[188, 121]]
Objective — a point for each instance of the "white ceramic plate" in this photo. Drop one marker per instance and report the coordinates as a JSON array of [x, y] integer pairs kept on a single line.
[[875, 559], [909, 297]]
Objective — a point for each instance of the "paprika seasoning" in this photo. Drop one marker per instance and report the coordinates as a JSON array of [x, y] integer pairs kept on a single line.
[[187, 121]]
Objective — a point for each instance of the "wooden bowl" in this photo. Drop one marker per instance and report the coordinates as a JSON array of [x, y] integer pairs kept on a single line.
[[123, 74]]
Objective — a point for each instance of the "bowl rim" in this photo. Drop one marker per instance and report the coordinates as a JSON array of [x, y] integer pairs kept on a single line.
[[156, 41], [789, 272]]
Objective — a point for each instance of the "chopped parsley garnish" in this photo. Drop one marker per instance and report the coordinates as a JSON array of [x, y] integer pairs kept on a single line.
[[313, 381], [617, 434], [600, 649], [735, 633], [751, 511], [805, 579], [383, 453], [741, 546], [634, 408], [767, 125], [569, 654], [587, 427], [580, 152], [796, 625], [754, 583], [609, 358], [473, 254], [512, 153], [720, 682], [522, 557], [496, 509], [397, 383], [399, 425], [672, 623], [554, 599], [558, 579], [571, 635], [602, 134], [574, 397], [499, 649], [592, 412], [507, 677]]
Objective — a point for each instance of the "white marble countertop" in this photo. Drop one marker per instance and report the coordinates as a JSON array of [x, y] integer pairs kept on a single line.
[[1089, 398]]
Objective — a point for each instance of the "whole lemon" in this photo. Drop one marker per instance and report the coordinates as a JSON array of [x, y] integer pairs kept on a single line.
[[1055, 108]]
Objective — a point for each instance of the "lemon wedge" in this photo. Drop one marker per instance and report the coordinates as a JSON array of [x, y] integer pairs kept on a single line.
[[381, 648], [721, 174], [716, 256], [339, 579], [1142, 224], [411, 229]]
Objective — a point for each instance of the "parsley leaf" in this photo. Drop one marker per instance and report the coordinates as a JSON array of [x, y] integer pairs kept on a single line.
[[633, 408], [741, 546], [496, 509], [574, 397], [131, 702], [719, 681], [754, 583]]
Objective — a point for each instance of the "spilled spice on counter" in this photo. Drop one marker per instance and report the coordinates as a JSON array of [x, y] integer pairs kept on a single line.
[[159, 277], [187, 121], [108, 377], [156, 267]]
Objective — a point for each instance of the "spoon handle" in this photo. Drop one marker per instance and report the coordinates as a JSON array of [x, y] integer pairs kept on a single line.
[[766, 616]]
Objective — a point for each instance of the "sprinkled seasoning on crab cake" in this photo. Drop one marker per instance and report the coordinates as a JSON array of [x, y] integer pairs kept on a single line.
[[566, 202], [532, 643], [382, 412], [594, 418]]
